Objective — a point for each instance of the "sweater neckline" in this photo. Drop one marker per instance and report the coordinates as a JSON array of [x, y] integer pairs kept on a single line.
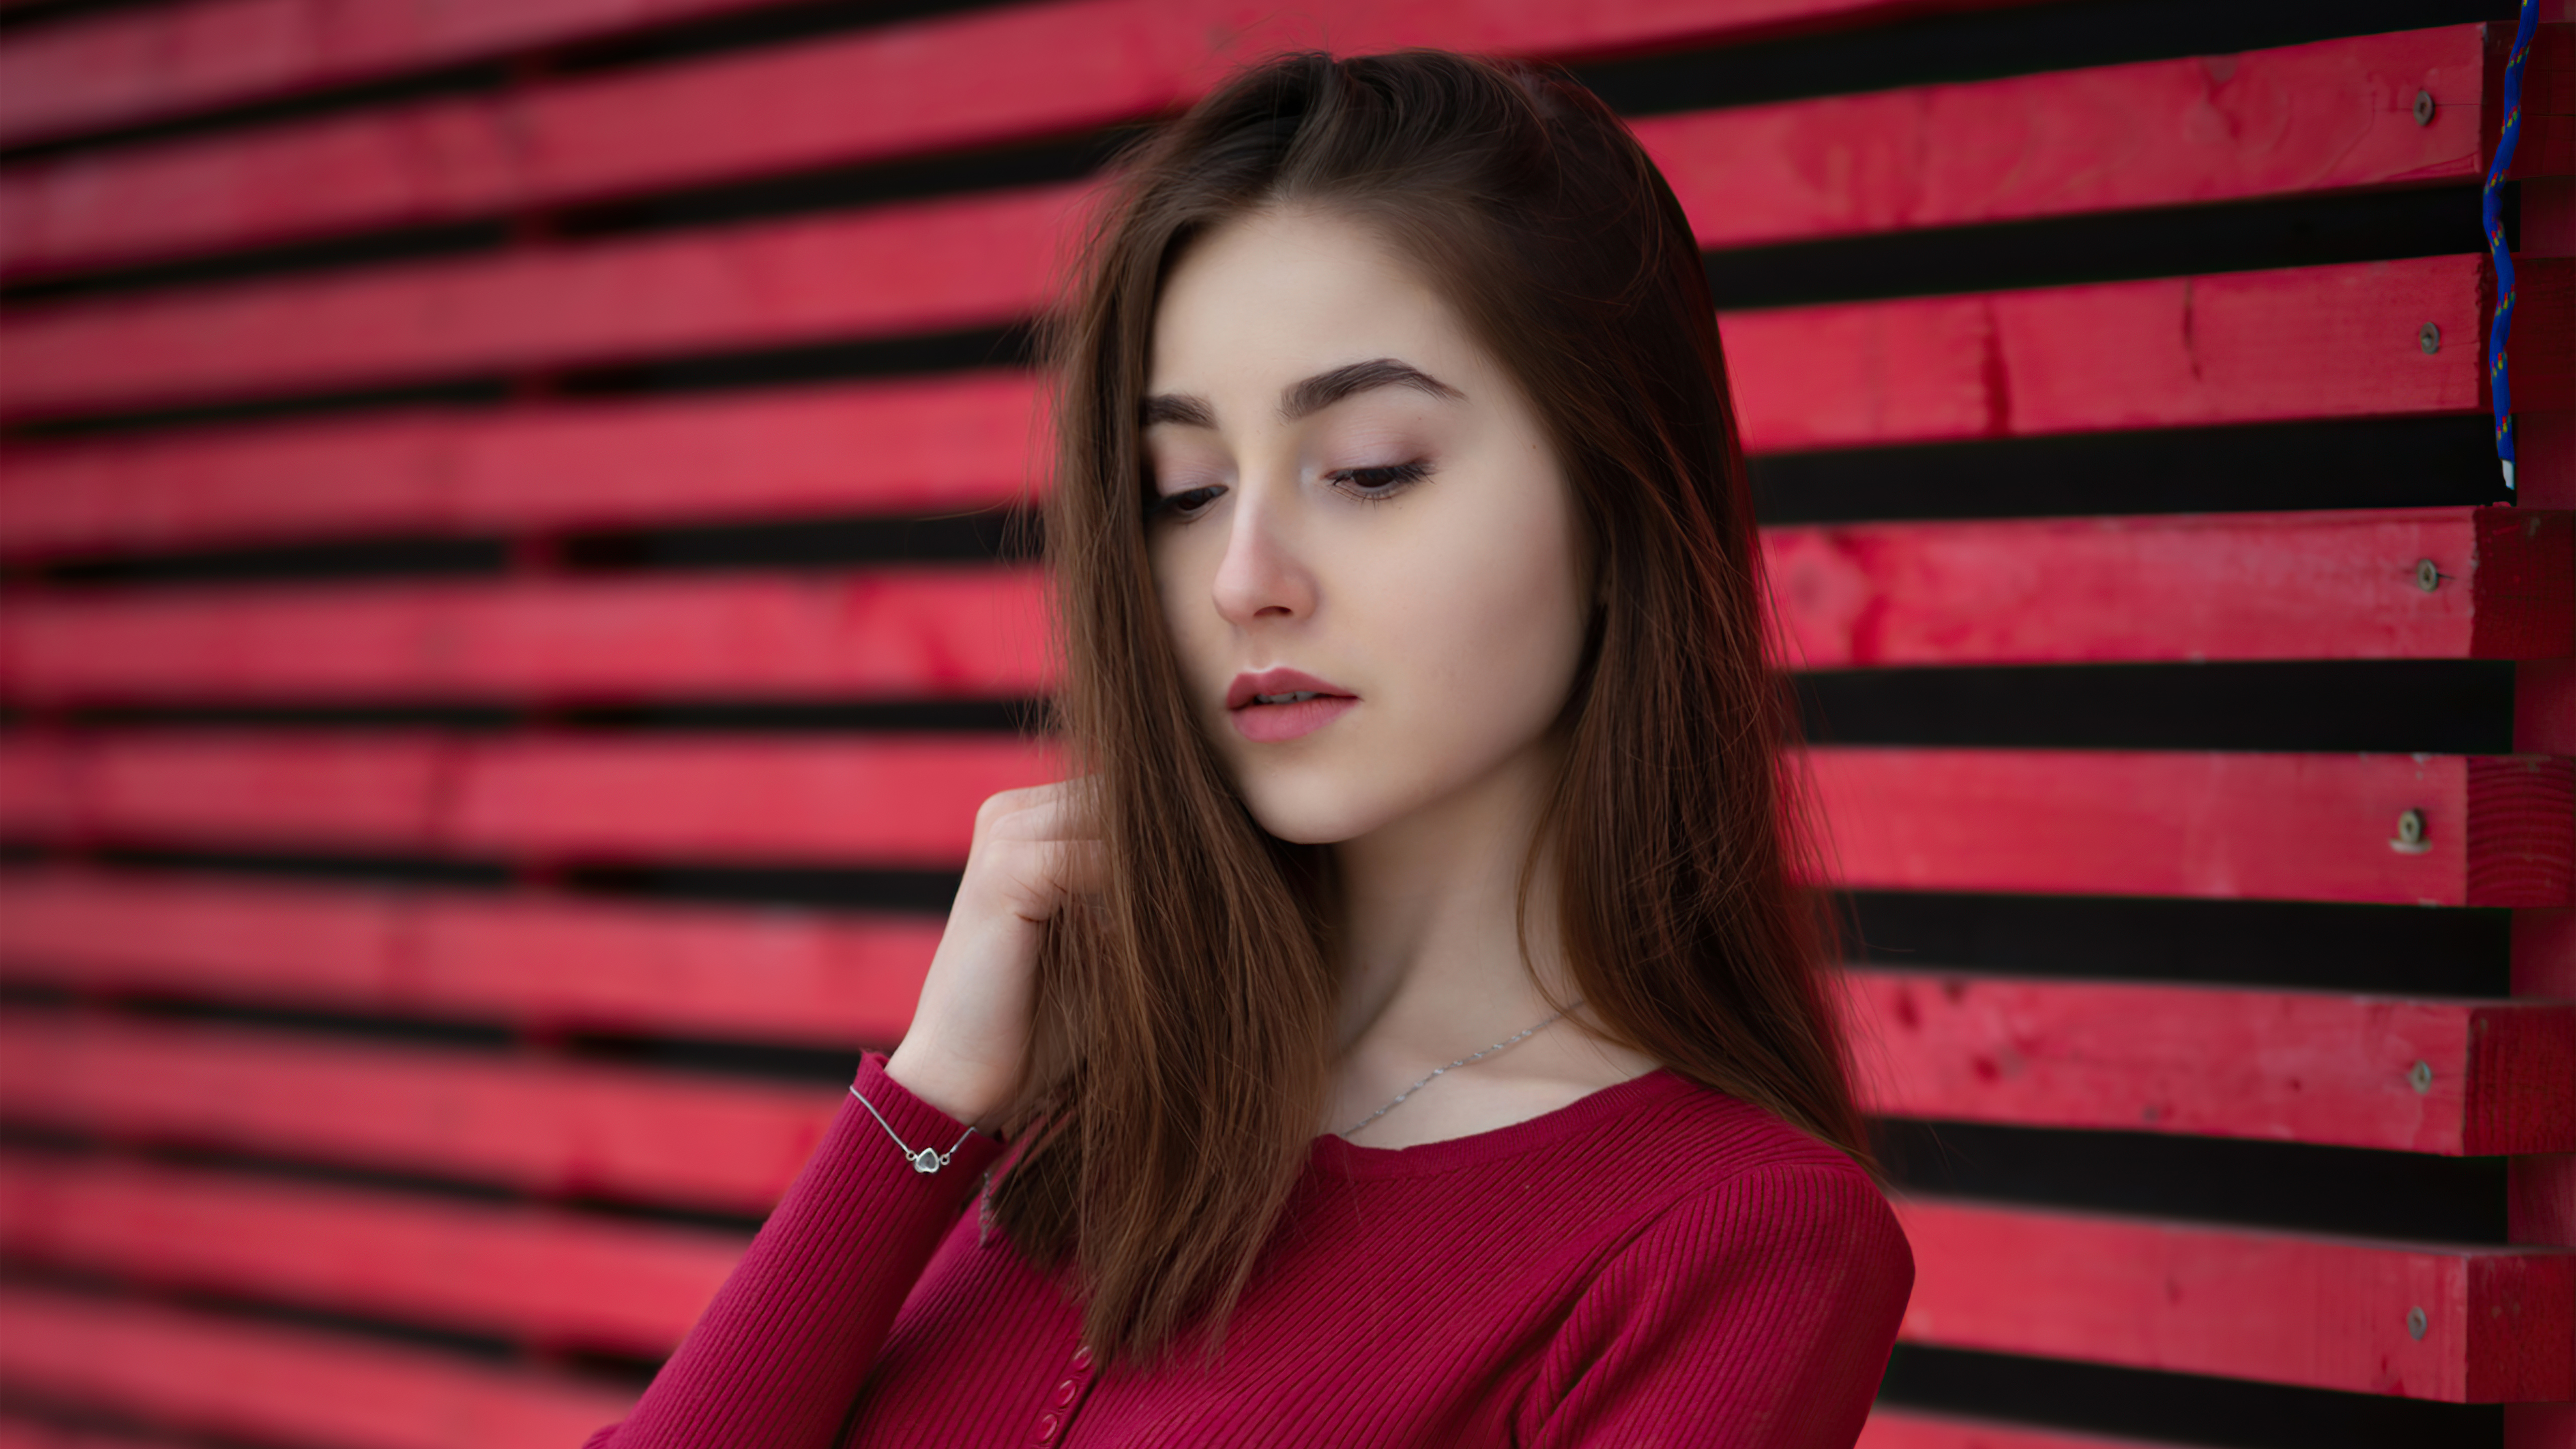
[[1340, 1157]]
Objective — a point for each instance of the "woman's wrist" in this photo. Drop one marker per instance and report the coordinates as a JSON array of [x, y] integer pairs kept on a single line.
[[941, 1085]]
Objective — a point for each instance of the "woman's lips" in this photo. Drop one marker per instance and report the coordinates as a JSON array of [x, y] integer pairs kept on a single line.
[[1269, 723]]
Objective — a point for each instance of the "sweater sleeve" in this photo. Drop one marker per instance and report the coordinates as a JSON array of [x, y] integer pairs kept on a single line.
[[777, 1358], [1758, 1313]]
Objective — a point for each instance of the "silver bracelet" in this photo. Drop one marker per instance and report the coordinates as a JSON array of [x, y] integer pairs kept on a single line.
[[925, 1160]]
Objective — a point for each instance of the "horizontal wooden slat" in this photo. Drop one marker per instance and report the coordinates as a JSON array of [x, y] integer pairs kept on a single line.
[[958, 442], [897, 801], [2318, 585], [1898, 1426], [2239, 586], [914, 267], [2331, 115], [2318, 342], [124, 68], [546, 1276], [2324, 341], [920, 633], [2447, 1076], [2287, 1308], [222, 1374], [2328, 115], [540, 1125], [2497, 830], [139, 63], [525, 960]]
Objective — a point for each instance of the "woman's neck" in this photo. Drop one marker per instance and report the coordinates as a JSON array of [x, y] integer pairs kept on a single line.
[[1432, 933]]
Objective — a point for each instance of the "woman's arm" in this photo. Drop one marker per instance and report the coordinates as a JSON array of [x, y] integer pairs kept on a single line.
[[1759, 1313], [778, 1356]]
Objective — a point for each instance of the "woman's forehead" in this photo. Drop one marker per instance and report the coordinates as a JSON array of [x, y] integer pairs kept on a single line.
[[1282, 294]]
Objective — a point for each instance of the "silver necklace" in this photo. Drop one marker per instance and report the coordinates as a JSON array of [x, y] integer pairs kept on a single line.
[[1462, 1061]]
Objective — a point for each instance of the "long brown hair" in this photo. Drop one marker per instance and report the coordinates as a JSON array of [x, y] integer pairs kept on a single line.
[[1185, 1031]]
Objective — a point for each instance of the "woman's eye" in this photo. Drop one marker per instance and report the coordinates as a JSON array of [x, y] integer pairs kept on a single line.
[[1184, 504], [1386, 482]]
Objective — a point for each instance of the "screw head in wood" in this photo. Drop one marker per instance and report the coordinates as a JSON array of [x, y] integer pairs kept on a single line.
[[2420, 1077], [2428, 575], [2416, 1323], [2430, 339], [2409, 839], [2423, 108]]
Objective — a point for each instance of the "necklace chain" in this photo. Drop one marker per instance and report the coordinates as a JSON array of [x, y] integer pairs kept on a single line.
[[1523, 1034]]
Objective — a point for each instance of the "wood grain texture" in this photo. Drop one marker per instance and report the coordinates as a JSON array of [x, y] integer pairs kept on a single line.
[[2242, 347], [2326, 116], [226, 1375], [522, 1122], [540, 1275], [528, 960], [961, 441], [2444, 1076], [2310, 585], [894, 801], [2330, 115], [169, 60], [2252, 826], [903, 633], [2243, 1303]]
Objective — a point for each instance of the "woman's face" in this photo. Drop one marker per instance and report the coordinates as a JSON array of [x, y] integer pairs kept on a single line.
[[1365, 550]]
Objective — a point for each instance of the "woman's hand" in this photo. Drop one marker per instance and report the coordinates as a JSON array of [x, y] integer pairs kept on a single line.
[[971, 1030]]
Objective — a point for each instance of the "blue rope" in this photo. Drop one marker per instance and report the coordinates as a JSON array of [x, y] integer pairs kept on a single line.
[[2492, 203]]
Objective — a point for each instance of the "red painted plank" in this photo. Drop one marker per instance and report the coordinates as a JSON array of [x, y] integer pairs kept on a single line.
[[2238, 586], [908, 633], [138, 64], [2315, 117], [915, 267], [526, 960], [2240, 347], [2315, 342], [2496, 831], [532, 1123], [2316, 585], [125, 68], [887, 801], [552, 1277], [1895, 1426], [2454, 1077], [959, 442], [2243, 1303], [225, 1375]]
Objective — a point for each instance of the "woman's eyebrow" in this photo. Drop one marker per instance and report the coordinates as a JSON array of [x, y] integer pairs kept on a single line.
[[1327, 388], [1312, 395]]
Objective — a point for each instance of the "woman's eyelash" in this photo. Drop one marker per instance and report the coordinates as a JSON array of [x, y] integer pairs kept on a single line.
[[1187, 501], [1385, 482]]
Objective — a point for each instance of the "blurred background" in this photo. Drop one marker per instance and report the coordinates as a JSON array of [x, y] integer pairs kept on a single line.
[[509, 594]]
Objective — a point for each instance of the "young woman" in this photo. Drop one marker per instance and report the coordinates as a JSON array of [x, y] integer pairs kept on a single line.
[[1407, 1028]]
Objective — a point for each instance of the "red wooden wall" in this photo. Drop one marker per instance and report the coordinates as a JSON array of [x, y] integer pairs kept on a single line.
[[502, 629]]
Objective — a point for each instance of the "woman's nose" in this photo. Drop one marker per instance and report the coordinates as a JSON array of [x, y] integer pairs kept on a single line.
[[1261, 577]]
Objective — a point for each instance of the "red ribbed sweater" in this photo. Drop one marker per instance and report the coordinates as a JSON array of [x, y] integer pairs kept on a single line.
[[1655, 1264]]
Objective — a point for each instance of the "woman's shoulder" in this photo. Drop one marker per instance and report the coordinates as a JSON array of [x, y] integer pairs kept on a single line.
[[1727, 1158]]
